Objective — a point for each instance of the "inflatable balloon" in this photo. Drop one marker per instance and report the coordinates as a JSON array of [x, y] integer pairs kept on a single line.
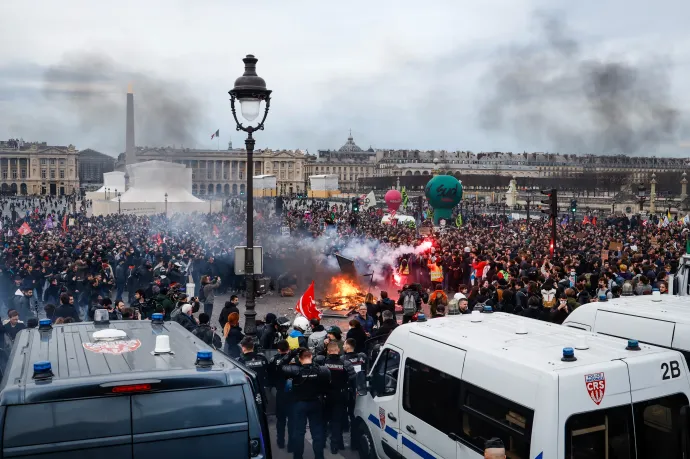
[[393, 199], [443, 193]]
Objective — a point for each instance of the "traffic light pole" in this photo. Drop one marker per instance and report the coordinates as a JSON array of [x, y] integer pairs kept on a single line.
[[552, 202], [552, 248]]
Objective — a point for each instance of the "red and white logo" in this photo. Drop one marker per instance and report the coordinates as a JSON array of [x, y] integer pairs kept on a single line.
[[382, 417], [596, 386], [113, 347]]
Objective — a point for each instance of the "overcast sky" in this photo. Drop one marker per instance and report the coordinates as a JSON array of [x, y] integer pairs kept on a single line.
[[512, 75]]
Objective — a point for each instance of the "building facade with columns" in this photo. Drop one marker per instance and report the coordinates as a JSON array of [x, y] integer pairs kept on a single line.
[[36, 168], [224, 172], [349, 163]]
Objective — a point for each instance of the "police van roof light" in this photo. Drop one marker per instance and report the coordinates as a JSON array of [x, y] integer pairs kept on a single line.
[[421, 317], [157, 318], [581, 344], [45, 324], [633, 345], [488, 309], [42, 370], [476, 316], [204, 359], [568, 355]]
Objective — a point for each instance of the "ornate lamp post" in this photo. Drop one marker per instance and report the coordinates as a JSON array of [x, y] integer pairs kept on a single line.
[[166, 205], [250, 90], [119, 205]]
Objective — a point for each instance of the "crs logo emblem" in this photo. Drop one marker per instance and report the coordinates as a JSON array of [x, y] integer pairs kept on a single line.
[[382, 418], [596, 386], [113, 347]]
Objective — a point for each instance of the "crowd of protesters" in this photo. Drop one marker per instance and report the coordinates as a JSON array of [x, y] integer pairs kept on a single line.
[[78, 263]]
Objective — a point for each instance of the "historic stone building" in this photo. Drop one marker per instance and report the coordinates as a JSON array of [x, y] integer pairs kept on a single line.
[[350, 163], [92, 166], [37, 168], [224, 172]]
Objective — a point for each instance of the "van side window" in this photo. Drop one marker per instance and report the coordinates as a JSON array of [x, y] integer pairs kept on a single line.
[[385, 373], [427, 394], [600, 433], [486, 415], [658, 427], [72, 420]]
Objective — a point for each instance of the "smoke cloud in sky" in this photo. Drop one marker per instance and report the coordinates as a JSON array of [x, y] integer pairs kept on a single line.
[[167, 112], [560, 91]]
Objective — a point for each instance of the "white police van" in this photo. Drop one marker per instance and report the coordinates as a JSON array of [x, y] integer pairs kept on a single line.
[[663, 320], [440, 389]]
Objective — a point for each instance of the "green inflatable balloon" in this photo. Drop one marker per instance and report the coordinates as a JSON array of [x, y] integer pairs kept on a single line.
[[443, 193]]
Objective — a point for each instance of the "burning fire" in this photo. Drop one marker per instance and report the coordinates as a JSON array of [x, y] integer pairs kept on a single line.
[[426, 245], [397, 279], [345, 294]]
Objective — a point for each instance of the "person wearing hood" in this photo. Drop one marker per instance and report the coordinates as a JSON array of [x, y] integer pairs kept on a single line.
[[268, 333], [386, 304], [229, 308], [356, 333], [296, 338], [205, 333], [318, 334], [534, 308], [233, 335], [334, 335], [22, 303]]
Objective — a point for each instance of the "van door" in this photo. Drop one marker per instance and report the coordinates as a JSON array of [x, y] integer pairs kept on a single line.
[[430, 392], [659, 386], [194, 423], [594, 405], [383, 418]]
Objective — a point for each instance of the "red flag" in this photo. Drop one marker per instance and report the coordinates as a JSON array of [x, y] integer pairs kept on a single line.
[[216, 231], [64, 223], [24, 229], [224, 218], [160, 239], [307, 306], [585, 221], [594, 220]]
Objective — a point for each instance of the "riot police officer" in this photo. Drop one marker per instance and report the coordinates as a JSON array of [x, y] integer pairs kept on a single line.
[[283, 396], [309, 383], [256, 361], [360, 362], [342, 382]]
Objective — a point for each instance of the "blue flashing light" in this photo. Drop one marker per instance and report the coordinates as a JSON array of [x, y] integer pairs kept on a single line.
[[633, 345], [488, 309], [568, 355], [42, 367], [157, 317], [44, 323], [204, 356], [421, 317]]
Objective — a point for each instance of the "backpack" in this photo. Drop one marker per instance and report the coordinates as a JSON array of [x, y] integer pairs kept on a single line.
[[175, 312], [409, 305], [293, 342], [479, 307], [551, 301]]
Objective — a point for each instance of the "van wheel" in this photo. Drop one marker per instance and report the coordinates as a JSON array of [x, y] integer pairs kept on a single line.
[[365, 444]]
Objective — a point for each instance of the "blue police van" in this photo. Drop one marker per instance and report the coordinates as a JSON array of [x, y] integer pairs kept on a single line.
[[107, 390]]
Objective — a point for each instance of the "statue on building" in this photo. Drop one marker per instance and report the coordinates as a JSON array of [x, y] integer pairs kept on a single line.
[[512, 193]]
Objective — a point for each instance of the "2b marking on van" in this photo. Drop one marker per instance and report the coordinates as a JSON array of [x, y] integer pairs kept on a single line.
[[596, 386]]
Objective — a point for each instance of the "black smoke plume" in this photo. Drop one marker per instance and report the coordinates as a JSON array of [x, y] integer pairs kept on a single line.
[[167, 112], [556, 92]]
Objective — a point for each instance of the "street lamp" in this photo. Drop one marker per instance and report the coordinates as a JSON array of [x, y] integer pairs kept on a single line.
[[641, 195], [119, 207], [529, 201], [105, 193], [166, 205], [250, 90]]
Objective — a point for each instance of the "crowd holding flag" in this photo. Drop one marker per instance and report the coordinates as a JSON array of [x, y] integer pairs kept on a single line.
[[25, 229], [403, 193], [307, 306]]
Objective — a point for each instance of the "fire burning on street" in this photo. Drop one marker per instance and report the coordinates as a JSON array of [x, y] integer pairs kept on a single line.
[[344, 295]]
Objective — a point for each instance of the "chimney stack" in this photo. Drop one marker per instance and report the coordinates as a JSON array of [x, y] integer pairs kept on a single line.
[[130, 149]]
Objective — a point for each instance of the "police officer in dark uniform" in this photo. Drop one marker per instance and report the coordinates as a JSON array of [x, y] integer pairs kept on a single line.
[[342, 382], [283, 396], [360, 363], [256, 361], [309, 383]]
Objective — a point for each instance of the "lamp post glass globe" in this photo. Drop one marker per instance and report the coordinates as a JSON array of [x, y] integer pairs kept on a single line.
[[250, 108]]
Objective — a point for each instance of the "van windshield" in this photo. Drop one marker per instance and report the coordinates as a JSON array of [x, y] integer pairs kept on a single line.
[[651, 427]]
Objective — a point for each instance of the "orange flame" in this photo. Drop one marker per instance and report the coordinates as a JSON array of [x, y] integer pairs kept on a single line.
[[344, 287]]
